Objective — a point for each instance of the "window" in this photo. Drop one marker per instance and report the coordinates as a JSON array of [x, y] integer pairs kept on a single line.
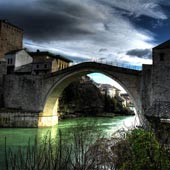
[[37, 66], [45, 65], [9, 60], [162, 55]]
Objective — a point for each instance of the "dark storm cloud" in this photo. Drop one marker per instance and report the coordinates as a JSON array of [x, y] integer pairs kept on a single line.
[[88, 28], [141, 53], [50, 20]]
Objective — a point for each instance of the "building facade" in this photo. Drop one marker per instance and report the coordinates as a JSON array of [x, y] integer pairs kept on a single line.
[[156, 84], [109, 90], [11, 37], [17, 59], [46, 62]]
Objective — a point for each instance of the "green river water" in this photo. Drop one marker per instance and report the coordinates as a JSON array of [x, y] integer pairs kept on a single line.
[[91, 125]]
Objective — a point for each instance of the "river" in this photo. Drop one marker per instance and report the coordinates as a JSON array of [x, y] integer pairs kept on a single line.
[[91, 125]]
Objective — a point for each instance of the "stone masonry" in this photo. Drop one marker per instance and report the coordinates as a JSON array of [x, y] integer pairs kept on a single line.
[[38, 94], [10, 37], [155, 91]]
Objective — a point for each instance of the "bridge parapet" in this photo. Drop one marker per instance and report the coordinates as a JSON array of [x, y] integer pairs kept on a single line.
[[96, 66], [116, 64]]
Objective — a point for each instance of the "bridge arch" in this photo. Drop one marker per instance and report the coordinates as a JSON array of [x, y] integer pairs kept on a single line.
[[128, 79]]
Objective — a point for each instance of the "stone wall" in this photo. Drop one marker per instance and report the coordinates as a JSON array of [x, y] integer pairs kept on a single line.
[[146, 88], [157, 86], [23, 92], [10, 38], [3, 72], [18, 119], [161, 75]]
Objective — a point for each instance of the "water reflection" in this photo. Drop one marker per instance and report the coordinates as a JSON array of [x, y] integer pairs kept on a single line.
[[20, 136]]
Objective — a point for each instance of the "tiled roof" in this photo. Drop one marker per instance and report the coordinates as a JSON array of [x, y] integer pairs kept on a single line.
[[2, 60], [24, 69], [46, 53], [13, 51], [63, 58]]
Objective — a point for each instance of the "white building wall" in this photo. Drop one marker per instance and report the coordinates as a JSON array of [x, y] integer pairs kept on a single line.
[[111, 92], [22, 58]]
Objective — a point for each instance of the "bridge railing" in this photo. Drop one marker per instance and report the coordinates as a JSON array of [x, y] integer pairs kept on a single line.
[[117, 64]]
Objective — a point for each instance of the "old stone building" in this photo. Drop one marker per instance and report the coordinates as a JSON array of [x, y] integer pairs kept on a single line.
[[127, 102], [46, 62], [156, 82], [19, 61], [11, 37], [109, 90], [16, 59]]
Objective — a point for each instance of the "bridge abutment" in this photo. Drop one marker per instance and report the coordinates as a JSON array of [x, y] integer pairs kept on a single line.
[[49, 117], [47, 121], [26, 119]]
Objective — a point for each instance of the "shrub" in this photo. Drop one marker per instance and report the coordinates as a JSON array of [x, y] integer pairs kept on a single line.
[[140, 150], [48, 155], [52, 155]]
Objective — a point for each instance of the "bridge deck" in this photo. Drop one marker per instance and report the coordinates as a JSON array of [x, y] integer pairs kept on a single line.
[[96, 66]]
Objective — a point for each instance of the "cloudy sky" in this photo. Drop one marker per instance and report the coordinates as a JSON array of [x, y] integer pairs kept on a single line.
[[115, 31]]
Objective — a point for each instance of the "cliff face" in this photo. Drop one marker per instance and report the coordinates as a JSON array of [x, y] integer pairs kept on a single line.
[[84, 98]]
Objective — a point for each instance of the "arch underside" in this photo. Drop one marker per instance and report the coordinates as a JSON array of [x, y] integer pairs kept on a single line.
[[49, 116]]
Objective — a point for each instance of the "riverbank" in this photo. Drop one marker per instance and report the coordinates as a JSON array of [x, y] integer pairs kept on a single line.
[[107, 115]]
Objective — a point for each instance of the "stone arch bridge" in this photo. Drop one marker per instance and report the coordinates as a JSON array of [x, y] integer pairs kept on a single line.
[[35, 98]]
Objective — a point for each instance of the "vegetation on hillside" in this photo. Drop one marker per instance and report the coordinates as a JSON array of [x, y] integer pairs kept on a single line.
[[86, 99], [81, 98]]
